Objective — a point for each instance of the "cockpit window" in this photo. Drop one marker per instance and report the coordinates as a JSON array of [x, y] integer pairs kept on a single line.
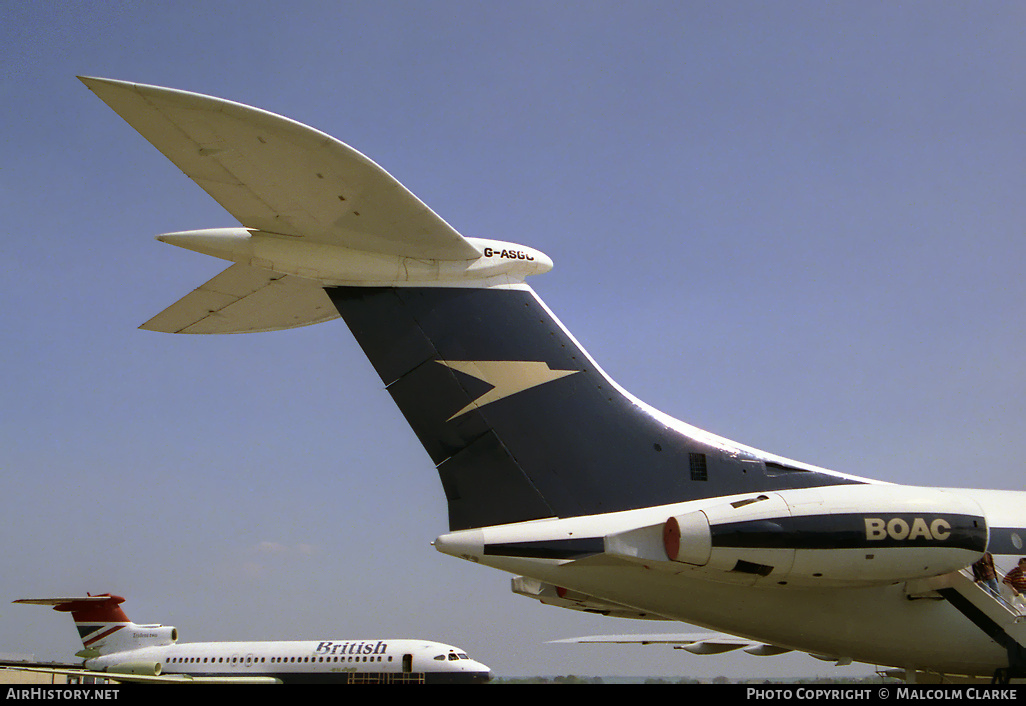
[[440, 658], [453, 657]]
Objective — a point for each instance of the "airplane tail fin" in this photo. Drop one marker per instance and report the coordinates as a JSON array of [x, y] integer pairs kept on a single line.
[[103, 626], [519, 420]]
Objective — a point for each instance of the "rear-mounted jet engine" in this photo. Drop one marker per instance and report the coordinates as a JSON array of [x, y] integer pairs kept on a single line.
[[851, 536]]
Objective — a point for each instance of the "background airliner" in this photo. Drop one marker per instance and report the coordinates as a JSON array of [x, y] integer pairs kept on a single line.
[[552, 471], [118, 649]]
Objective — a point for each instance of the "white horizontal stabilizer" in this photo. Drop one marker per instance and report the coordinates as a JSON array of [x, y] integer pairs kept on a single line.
[[60, 601], [316, 213], [245, 299], [280, 176]]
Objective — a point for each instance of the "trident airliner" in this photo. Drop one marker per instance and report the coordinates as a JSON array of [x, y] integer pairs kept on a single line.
[[117, 649], [593, 499]]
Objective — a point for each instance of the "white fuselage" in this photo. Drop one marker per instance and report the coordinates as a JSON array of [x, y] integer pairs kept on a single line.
[[306, 661]]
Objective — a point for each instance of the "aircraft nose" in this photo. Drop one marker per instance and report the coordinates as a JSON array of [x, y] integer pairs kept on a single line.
[[481, 671]]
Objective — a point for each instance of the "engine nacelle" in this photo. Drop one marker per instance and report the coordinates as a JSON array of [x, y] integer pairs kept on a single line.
[[148, 669], [151, 635], [837, 536]]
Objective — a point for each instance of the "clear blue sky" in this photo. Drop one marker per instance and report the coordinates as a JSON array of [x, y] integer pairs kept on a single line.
[[798, 225]]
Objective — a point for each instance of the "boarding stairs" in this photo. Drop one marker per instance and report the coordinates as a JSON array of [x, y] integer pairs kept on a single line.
[[1001, 617]]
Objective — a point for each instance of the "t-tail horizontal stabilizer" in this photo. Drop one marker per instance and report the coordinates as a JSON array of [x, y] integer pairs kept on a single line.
[[315, 213]]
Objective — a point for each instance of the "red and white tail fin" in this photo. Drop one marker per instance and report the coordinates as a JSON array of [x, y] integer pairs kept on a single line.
[[103, 626]]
